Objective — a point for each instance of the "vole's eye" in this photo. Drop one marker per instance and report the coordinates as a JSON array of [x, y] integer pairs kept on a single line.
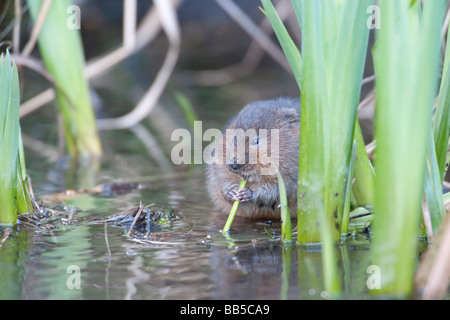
[[255, 141]]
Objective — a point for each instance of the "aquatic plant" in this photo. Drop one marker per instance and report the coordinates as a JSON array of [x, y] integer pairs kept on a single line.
[[62, 52], [406, 58], [333, 48], [333, 160], [233, 210], [14, 194]]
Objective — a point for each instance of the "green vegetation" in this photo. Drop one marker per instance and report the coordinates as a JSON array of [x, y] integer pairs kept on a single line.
[[14, 194], [334, 49], [334, 171], [406, 57], [62, 53], [286, 229], [233, 211]]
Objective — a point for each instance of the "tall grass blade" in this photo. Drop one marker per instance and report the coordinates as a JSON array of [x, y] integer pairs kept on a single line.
[[62, 51], [363, 188], [329, 73], [287, 44], [433, 189], [13, 198], [441, 123], [334, 49], [286, 229], [9, 139], [406, 58], [334, 46]]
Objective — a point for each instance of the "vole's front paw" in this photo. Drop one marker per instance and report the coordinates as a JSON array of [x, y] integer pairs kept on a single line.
[[242, 195]]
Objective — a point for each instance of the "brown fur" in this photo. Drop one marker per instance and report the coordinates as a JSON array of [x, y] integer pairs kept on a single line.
[[282, 114]]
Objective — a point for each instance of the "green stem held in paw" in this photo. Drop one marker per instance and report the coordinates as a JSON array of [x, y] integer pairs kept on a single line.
[[233, 210]]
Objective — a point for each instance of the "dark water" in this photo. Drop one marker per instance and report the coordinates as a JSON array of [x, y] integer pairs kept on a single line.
[[175, 263]]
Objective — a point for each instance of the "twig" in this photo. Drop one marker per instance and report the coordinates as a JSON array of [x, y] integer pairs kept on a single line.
[[129, 23], [35, 65], [236, 13], [17, 22], [151, 97], [36, 102], [141, 207], [249, 62], [37, 28], [147, 31], [368, 79], [434, 270], [7, 29]]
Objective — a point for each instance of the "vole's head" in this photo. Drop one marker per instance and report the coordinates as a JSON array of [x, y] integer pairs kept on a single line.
[[259, 137]]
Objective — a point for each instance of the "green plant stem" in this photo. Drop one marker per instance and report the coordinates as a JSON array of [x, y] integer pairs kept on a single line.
[[233, 211], [62, 52], [364, 185], [286, 229], [406, 58], [441, 123], [14, 195], [433, 189], [348, 191]]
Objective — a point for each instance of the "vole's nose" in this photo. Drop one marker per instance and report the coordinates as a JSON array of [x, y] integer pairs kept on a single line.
[[235, 165]]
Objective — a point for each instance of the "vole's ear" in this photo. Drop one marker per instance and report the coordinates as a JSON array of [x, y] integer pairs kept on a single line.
[[289, 115]]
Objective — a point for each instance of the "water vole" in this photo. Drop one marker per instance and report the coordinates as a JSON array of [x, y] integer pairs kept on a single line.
[[265, 133]]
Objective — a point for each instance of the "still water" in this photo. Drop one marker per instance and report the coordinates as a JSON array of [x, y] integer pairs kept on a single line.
[[86, 258]]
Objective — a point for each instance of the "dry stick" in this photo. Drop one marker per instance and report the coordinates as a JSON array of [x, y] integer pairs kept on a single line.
[[235, 12], [249, 62], [100, 65], [141, 207], [16, 30], [151, 97], [35, 65], [438, 260], [129, 23], [368, 79], [36, 102], [147, 31], [37, 28]]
